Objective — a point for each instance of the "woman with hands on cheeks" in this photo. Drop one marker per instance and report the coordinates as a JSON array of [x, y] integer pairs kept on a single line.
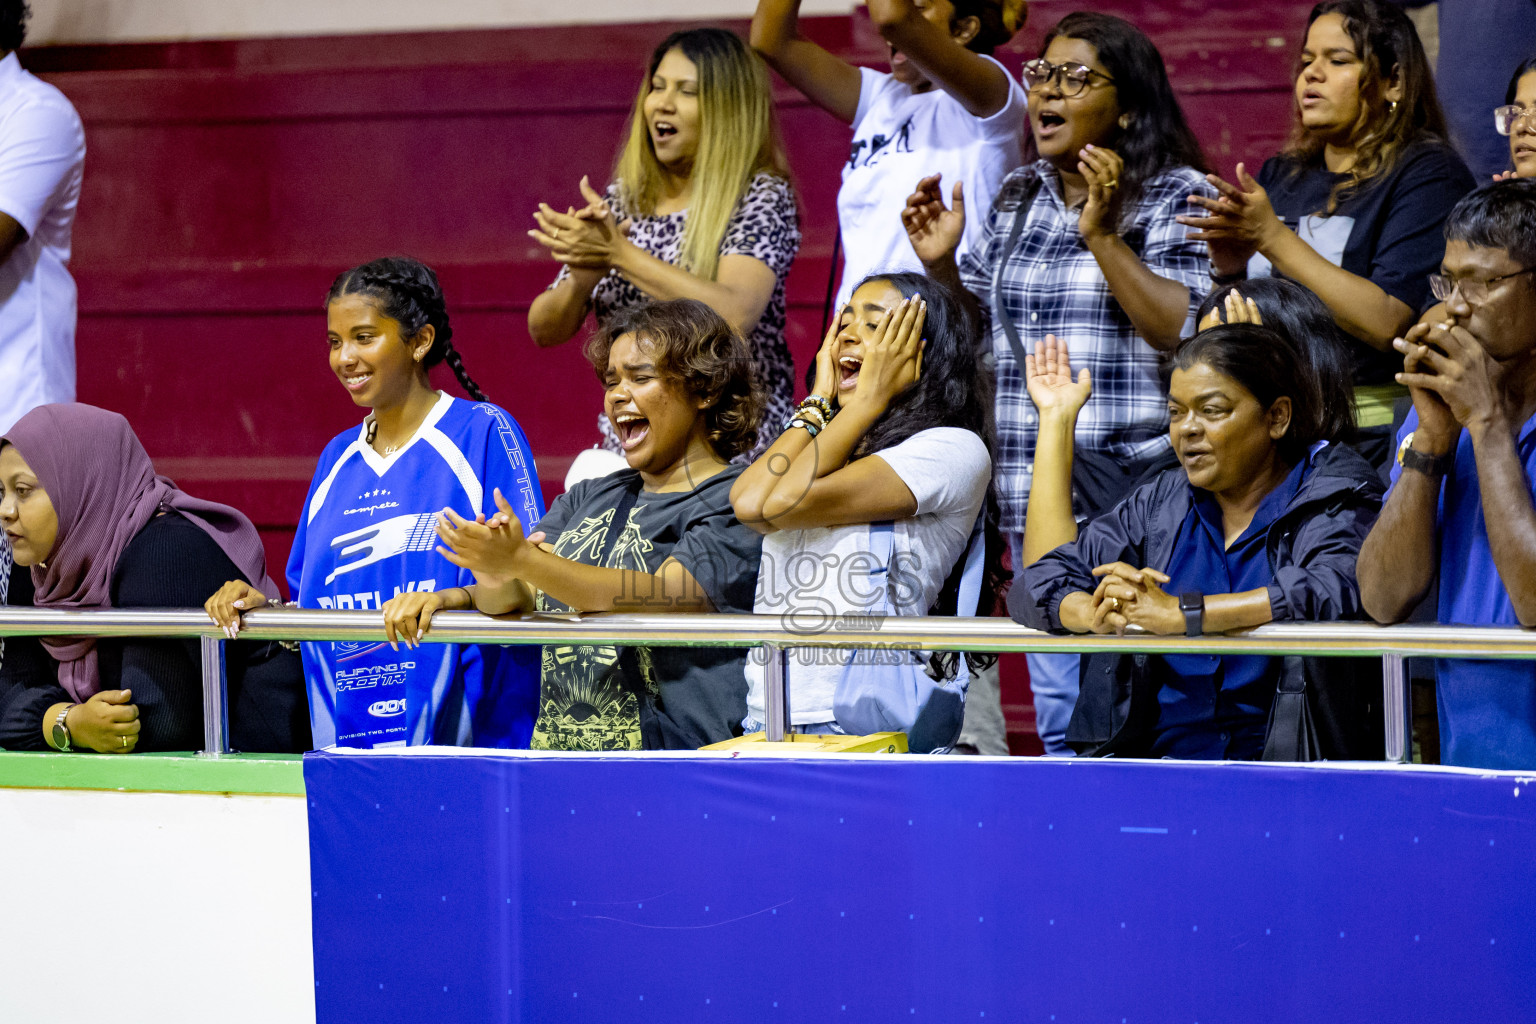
[[1353, 207], [700, 207], [1083, 244], [1262, 521], [894, 432], [656, 537], [365, 537]]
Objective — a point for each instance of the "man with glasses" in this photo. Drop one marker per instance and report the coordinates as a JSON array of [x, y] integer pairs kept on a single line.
[[1461, 503]]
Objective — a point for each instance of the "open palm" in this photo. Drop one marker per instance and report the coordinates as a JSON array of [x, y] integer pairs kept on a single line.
[[1048, 377]]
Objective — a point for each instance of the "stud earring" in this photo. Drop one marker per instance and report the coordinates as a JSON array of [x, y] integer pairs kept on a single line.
[[1125, 121]]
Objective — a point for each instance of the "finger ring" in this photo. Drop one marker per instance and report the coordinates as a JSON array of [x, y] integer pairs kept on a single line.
[[1114, 603], [125, 741], [554, 233], [1112, 184]]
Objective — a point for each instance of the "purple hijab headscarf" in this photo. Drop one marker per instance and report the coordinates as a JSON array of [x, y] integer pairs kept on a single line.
[[104, 491]]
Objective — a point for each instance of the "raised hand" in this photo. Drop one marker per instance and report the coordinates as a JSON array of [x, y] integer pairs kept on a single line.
[[893, 361], [1048, 378], [1101, 169], [229, 602], [934, 229], [1234, 309]]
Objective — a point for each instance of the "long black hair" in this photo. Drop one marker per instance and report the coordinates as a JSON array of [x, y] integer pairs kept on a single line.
[[407, 292], [953, 390], [996, 21], [1156, 135], [1526, 67], [1264, 362], [1296, 313]]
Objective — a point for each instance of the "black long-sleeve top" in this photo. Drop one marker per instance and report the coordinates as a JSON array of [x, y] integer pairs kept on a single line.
[[170, 563]]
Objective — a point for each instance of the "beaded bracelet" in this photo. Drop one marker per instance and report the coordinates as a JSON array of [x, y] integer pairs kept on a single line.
[[819, 403], [814, 415]]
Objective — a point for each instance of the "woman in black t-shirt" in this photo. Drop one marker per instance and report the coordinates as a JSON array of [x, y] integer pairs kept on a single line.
[[1353, 207]]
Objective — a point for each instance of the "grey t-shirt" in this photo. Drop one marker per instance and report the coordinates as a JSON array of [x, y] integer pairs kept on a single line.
[[629, 698]]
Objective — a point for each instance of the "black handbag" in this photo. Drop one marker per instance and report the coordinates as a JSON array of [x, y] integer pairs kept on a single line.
[[1292, 734]]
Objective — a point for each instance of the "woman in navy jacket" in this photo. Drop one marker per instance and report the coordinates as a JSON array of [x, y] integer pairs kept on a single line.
[[1262, 522]]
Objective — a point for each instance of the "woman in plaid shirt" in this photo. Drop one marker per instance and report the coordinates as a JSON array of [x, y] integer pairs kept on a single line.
[[1083, 244]]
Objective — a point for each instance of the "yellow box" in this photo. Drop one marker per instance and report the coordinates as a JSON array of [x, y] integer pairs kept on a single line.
[[801, 744]]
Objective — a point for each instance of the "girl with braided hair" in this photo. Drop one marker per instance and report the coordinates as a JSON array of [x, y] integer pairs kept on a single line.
[[365, 538]]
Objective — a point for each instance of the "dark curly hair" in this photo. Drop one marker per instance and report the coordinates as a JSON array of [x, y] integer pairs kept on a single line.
[[408, 292], [13, 24], [694, 346], [954, 390]]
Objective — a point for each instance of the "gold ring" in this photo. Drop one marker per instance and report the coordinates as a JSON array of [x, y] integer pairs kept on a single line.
[[1114, 603], [125, 741], [1112, 184], [555, 233]]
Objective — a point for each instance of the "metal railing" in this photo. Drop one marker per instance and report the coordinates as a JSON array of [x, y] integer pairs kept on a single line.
[[776, 633]]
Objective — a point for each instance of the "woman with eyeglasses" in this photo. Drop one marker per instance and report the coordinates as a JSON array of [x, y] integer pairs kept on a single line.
[[1083, 244], [946, 110], [1517, 120], [1354, 205]]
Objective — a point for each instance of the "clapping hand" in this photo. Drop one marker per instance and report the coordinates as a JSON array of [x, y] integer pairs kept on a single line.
[[1101, 169], [492, 549], [1238, 223], [589, 238]]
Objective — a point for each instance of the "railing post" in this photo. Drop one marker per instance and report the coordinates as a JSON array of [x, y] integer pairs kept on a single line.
[[775, 692], [215, 711], [1397, 708]]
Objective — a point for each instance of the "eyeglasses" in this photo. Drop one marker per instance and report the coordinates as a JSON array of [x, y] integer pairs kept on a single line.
[[1474, 291], [1071, 79], [1507, 119]]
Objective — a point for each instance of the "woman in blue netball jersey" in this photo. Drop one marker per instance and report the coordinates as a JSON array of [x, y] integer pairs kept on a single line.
[[365, 537]]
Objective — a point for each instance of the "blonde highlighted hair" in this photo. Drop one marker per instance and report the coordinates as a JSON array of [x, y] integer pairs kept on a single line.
[[738, 138]]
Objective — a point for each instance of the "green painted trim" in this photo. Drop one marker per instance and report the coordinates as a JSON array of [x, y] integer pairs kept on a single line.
[[249, 774]]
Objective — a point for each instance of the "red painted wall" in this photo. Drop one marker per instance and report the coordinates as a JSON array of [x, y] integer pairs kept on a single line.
[[227, 183]]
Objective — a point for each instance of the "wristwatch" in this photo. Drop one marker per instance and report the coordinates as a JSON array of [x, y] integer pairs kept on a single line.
[[60, 730], [1192, 604], [1432, 466]]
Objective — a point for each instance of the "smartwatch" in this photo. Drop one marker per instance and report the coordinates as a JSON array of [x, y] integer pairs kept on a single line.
[[1192, 604], [1432, 466], [60, 731]]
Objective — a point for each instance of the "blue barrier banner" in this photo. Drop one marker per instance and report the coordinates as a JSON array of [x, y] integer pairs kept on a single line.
[[496, 887]]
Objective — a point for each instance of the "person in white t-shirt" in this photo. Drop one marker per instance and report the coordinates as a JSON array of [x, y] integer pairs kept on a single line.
[[42, 153], [895, 430], [946, 109]]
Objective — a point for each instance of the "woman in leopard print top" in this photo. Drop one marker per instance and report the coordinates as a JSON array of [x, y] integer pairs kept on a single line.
[[695, 211]]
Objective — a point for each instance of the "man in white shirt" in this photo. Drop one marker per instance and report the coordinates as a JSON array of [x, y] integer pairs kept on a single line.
[[42, 154]]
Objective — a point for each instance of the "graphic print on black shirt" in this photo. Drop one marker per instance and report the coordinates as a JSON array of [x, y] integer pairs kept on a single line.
[[583, 702]]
